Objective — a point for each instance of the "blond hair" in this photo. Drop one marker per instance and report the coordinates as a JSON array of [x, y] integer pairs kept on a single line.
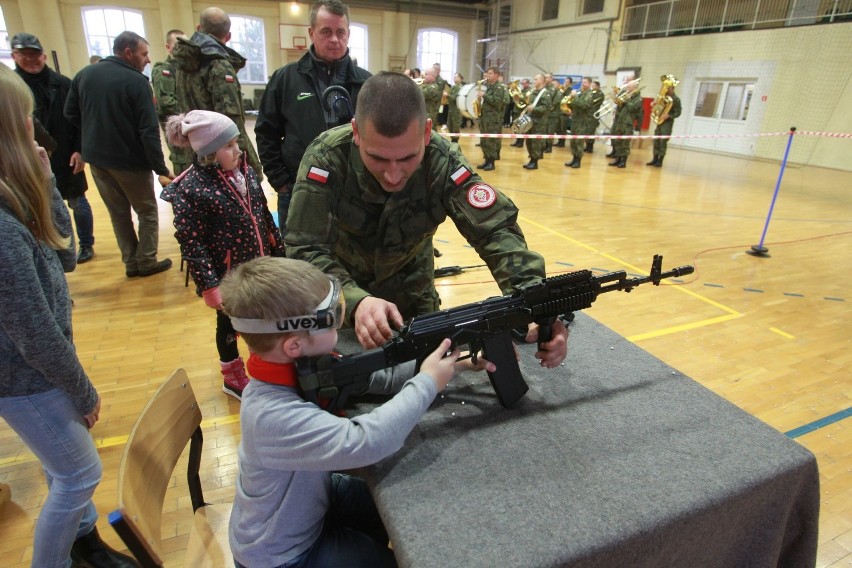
[[272, 288], [24, 185]]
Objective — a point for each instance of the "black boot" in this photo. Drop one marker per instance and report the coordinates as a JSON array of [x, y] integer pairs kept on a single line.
[[519, 143], [531, 165], [590, 147], [616, 162], [659, 163], [622, 162], [90, 551], [487, 166], [576, 163], [654, 161], [561, 143]]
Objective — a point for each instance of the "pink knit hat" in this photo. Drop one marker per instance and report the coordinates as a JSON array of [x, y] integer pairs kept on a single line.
[[205, 131]]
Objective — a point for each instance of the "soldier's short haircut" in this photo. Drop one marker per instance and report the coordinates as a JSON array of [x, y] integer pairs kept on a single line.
[[494, 69], [589, 79], [126, 40], [336, 7], [390, 102], [174, 32], [215, 22]]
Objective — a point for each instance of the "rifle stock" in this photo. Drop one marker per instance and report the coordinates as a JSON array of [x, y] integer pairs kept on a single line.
[[485, 326]]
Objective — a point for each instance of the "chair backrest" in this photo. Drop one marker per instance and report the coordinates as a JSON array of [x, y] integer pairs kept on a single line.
[[155, 444]]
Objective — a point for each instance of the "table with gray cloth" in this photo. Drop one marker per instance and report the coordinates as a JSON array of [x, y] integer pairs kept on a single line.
[[614, 459]]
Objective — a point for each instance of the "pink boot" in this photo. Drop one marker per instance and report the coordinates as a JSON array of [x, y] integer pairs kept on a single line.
[[235, 377]]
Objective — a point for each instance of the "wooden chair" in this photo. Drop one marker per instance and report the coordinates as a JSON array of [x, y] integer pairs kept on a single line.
[[169, 420]]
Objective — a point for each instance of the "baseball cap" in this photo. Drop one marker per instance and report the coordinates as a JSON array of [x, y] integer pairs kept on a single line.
[[26, 41]]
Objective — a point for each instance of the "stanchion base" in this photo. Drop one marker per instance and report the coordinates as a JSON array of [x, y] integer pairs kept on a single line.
[[760, 251]]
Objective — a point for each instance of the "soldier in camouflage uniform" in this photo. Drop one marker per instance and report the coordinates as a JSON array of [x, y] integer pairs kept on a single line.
[[370, 196], [665, 129], [165, 99], [493, 99], [565, 120], [597, 100], [444, 87], [454, 115], [626, 115], [540, 103], [207, 76], [432, 96], [583, 121], [525, 91]]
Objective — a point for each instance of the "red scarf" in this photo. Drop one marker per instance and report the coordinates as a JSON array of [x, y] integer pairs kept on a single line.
[[284, 374]]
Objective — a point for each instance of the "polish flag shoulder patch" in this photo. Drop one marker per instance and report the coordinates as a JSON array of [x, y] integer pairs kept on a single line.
[[318, 175], [229, 78], [481, 195], [460, 176], [167, 73]]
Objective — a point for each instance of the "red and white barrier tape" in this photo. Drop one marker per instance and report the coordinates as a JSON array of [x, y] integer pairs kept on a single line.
[[641, 136]]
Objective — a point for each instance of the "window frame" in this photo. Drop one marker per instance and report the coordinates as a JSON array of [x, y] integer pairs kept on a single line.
[[425, 59], [363, 60], [110, 39]]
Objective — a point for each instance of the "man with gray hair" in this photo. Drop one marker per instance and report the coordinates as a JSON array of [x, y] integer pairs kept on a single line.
[[293, 112], [111, 103], [369, 197], [207, 75]]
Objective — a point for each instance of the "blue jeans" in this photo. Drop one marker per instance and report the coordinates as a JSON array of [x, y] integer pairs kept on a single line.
[[353, 534], [53, 429], [84, 220]]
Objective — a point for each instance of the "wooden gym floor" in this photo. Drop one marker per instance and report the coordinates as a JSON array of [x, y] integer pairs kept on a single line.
[[771, 335]]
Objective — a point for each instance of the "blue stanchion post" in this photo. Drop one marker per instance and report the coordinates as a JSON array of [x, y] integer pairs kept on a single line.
[[759, 249]]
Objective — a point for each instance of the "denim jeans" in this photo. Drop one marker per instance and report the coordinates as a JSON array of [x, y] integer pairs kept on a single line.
[[353, 534], [53, 429], [84, 220]]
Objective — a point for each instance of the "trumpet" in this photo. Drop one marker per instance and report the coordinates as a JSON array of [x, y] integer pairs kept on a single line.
[[565, 103], [621, 96], [663, 103]]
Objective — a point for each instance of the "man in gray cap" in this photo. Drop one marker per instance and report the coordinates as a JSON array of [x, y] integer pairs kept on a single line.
[[50, 89]]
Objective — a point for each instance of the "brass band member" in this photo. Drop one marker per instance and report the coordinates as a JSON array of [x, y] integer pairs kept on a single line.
[[583, 120], [454, 117], [432, 94], [493, 97], [665, 127], [525, 90], [627, 115], [597, 101], [538, 108]]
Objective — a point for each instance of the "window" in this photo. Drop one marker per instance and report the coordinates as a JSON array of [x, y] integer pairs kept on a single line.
[[247, 39], [591, 7], [550, 10], [358, 44], [708, 99], [102, 25], [5, 48], [438, 46], [737, 101]]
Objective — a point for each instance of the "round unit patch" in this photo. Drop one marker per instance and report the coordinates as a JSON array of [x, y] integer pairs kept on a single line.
[[481, 195]]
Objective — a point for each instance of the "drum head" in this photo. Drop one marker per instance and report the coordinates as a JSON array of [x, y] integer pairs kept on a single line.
[[465, 99]]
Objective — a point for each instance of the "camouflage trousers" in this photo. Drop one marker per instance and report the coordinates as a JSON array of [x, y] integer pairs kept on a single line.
[[661, 144], [491, 146]]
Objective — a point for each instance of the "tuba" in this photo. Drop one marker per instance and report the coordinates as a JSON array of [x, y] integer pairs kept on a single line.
[[663, 103], [517, 95]]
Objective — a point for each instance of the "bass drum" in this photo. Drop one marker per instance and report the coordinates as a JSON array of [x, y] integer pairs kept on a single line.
[[466, 99]]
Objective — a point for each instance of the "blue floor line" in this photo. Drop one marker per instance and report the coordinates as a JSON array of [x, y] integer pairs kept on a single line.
[[821, 423]]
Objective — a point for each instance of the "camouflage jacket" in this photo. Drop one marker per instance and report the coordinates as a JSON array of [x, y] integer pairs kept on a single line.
[[627, 114], [432, 94], [207, 80], [165, 94], [379, 243], [494, 103]]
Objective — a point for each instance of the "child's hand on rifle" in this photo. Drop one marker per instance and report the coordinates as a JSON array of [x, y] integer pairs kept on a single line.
[[440, 365]]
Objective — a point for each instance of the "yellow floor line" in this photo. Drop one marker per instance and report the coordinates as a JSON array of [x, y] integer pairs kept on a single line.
[[782, 333], [683, 327]]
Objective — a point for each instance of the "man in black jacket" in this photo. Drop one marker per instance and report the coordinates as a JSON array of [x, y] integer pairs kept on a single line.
[[293, 112], [50, 89], [113, 105]]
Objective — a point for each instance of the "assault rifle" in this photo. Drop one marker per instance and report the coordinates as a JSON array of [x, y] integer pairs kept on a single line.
[[486, 326]]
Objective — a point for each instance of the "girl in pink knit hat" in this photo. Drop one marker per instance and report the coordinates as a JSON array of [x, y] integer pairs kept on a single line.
[[222, 220]]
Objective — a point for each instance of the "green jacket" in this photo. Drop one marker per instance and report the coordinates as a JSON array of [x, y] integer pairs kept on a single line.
[[432, 94], [207, 80], [627, 114], [379, 243], [165, 90]]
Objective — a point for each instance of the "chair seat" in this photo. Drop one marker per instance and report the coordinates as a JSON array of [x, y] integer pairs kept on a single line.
[[208, 542]]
